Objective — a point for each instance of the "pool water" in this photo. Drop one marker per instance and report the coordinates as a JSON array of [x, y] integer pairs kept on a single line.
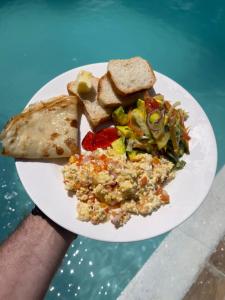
[[183, 39]]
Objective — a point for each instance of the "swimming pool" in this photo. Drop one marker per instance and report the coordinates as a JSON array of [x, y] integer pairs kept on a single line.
[[185, 40]]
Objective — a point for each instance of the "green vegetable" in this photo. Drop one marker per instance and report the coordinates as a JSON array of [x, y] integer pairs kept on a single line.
[[138, 122], [125, 131], [132, 155], [145, 145], [155, 121], [186, 146], [174, 140], [119, 145], [119, 116], [177, 103], [130, 144], [141, 107], [179, 165], [155, 126], [162, 142], [154, 117], [172, 157], [159, 98]]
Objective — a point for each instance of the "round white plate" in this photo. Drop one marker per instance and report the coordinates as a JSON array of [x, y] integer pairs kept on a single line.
[[44, 181]]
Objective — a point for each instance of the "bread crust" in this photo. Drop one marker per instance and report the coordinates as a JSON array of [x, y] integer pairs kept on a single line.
[[94, 122], [112, 105], [118, 99], [129, 90]]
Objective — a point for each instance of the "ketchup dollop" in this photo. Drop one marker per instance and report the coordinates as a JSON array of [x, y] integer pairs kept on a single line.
[[100, 139]]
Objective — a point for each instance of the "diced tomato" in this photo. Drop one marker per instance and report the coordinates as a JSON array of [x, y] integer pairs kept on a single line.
[[101, 139], [103, 157], [79, 160], [151, 104], [165, 197]]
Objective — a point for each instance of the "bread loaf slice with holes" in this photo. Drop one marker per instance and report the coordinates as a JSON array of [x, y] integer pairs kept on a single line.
[[131, 75], [108, 97]]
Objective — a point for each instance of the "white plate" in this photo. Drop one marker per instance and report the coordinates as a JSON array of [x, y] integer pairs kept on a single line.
[[44, 182]]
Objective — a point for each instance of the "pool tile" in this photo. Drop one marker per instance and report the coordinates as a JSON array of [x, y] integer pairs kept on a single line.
[[207, 225], [183, 254], [210, 285], [168, 274], [218, 257], [219, 186]]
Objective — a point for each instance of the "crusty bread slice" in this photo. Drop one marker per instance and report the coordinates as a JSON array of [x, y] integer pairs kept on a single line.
[[131, 75], [108, 97], [95, 113]]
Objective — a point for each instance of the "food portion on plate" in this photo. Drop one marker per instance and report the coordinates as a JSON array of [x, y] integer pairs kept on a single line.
[[109, 98], [155, 126], [86, 88], [100, 96], [48, 129], [126, 165], [110, 186], [131, 75]]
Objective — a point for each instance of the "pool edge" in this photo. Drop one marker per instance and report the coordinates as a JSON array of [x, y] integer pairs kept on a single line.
[[176, 263]]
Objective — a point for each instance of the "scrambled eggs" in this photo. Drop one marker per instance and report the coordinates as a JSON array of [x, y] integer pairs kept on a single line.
[[109, 186]]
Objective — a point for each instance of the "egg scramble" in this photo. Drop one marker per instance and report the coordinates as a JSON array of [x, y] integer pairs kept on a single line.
[[109, 186]]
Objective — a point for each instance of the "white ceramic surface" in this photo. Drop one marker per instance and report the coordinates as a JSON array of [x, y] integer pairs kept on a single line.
[[44, 181]]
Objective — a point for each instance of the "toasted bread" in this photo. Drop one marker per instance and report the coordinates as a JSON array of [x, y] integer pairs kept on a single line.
[[108, 97], [131, 75], [95, 113]]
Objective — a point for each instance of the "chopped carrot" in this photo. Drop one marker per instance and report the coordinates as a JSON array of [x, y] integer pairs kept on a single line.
[[143, 181], [159, 190], [155, 160], [165, 197]]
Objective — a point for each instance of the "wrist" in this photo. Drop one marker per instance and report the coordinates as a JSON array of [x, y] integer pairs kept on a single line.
[[37, 212], [66, 234]]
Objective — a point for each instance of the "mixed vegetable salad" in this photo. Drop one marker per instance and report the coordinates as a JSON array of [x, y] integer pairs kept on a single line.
[[154, 126]]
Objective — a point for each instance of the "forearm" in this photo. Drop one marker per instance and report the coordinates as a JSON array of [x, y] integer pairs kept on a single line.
[[30, 257]]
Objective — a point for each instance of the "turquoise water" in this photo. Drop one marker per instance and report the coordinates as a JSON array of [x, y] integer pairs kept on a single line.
[[183, 39]]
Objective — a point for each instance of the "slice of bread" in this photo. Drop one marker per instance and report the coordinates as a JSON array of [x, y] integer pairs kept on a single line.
[[95, 113], [131, 75], [108, 97]]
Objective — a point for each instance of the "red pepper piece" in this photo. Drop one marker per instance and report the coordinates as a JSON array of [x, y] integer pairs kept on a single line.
[[105, 137], [109, 133], [88, 141], [100, 139]]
